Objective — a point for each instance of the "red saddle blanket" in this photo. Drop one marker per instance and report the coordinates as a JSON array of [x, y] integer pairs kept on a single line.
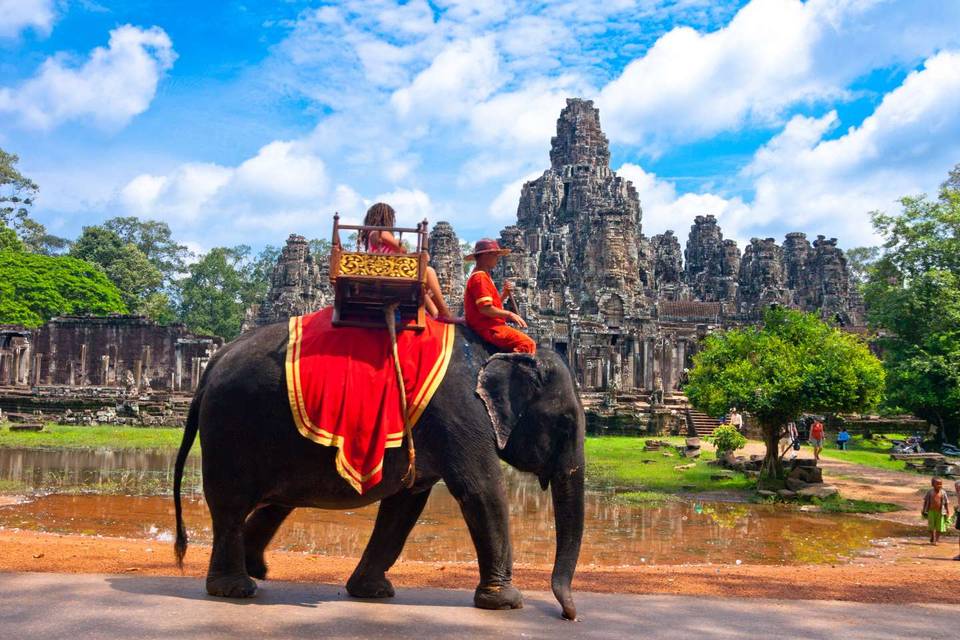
[[343, 389]]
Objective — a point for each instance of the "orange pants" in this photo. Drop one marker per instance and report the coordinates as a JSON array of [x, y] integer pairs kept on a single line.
[[509, 339]]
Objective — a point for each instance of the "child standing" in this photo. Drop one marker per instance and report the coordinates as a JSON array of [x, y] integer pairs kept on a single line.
[[936, 509]]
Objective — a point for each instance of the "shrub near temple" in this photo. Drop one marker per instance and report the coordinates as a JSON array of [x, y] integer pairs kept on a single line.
[[793, 363], [726, 439]]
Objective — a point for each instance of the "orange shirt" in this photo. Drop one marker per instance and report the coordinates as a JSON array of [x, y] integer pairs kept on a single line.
[[481, 292], [817, 431]]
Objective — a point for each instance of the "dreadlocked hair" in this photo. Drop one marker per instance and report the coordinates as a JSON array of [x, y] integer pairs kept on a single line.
[[379, 215]]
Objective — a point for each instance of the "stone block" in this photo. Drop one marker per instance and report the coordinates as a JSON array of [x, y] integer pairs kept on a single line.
[[820, 491]]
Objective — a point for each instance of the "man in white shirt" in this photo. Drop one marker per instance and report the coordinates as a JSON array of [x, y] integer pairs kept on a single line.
[[736, 419]]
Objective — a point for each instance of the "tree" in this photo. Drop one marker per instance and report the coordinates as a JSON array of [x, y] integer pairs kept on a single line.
[[35, 288], [213, 293], [126, 265], [859, 260], [793, 363], [17, 193], [155, 240], [913, 300]]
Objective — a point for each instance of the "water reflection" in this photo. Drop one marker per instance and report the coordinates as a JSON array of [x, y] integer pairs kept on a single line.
[[616, 533]]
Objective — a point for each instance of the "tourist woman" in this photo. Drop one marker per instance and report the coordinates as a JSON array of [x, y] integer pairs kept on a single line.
[[382, 215]]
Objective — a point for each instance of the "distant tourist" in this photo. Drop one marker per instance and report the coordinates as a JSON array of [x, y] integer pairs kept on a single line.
[[735, 419], [843, 438], [816, 438], [792, 438], [956, 512], [936, 509]]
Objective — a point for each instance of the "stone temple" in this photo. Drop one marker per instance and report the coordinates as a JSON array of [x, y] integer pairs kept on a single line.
[[628, 311], [625, 310]]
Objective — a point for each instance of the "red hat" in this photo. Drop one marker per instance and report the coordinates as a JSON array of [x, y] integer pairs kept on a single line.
[[486, 245]]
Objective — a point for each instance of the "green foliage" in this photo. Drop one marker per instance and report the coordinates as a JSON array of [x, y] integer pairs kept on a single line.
[[213, 295], [869, 452], [836, 504], [156, 241], [16, 190], [17, 193], [126, 266], [859, 261], [727, 438], [80, 437], [9, 240], [621, 462], [793, 363], [158, 307], [34, 288], [913, 298]]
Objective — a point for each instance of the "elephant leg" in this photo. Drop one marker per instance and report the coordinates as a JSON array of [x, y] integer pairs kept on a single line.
[[396, 517], [258, 530], [227, 574], [484, 507]]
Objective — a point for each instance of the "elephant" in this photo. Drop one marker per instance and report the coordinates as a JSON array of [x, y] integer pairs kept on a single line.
[[257, 468]]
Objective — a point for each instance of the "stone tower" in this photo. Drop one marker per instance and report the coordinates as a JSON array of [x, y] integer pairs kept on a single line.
[[299, 285], [578, 226], [447, 259]]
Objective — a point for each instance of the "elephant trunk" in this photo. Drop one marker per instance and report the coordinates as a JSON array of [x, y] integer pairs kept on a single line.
[[567, 489]]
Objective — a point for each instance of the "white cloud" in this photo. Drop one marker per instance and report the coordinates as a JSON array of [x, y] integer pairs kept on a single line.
[[109, 88], [284, 188], [504, 206], [905, 147], [411, 205], [665, 209], [773, 55], [460, 76], [803, 180], [19, 15]]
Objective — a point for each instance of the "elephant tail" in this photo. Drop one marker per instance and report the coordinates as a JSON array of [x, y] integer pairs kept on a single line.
[[189, 435]]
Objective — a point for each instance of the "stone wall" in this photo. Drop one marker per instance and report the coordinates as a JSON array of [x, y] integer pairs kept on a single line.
[[111, 351]]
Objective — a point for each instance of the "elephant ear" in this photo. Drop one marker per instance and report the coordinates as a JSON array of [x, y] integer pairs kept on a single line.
[[507, 383]]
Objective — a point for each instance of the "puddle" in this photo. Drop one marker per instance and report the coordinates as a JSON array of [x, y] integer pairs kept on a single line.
[[616, 534]]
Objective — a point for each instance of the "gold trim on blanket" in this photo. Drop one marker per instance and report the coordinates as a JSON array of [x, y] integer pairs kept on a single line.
[[323, 437]]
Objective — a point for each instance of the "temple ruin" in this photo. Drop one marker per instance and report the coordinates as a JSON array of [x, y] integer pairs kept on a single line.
[[625, 310], [125, 368]]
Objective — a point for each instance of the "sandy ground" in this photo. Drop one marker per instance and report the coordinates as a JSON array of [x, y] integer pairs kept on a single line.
[[899, 573], [903, 574], [859, 482]]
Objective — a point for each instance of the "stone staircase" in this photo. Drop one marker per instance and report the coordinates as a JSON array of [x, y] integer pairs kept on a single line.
[[700, 424]]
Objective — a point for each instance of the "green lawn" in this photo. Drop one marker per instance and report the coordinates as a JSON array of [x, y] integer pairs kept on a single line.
[[871, 453], [112, 437], [620, 461]]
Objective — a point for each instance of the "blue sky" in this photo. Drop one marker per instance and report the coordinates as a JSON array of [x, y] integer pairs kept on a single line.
[[241, 122]]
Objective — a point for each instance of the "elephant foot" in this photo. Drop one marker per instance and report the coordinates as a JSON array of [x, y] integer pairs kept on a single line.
[[370, 587], [502, 597], [231, 586], [257, 568]]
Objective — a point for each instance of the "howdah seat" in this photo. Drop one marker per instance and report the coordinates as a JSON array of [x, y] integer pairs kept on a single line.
[[366, 283]]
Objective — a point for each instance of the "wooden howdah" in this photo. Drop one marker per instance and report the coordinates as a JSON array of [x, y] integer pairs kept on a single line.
[[365, 283]]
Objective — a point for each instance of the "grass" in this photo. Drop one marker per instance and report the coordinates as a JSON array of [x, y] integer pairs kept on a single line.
[[79, 437], [836, 504], [651, 476], [867, 452]]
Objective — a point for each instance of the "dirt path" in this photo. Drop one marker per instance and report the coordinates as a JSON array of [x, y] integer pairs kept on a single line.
[[900, 574], [859, 482]]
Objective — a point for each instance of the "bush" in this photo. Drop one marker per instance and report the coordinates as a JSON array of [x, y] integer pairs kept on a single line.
[[727, 438]]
